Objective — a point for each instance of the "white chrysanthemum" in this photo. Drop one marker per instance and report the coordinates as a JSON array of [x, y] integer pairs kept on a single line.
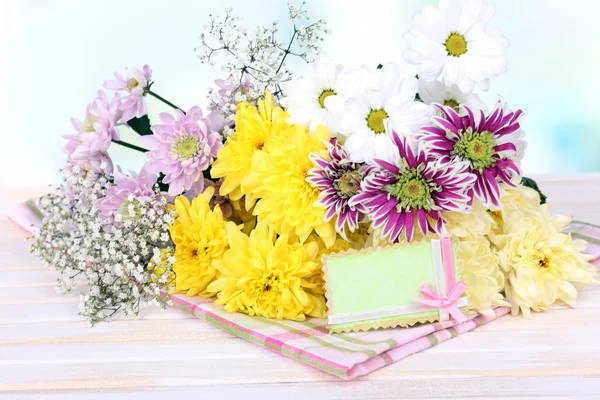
[[387, 101], [449, 95], [318, 97], [455, 43]]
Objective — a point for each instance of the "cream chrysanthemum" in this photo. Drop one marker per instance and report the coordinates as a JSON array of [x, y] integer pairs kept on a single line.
[[278, 178], [481, 272], [267, 275], [515, 201], [540, 263], [200, 238], [252, 129]]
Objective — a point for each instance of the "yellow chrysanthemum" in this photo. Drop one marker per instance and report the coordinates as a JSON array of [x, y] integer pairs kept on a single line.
[[241, 216], [481, 272], [200, 238], [252, 129], [265, 275], [278, 178], [540, 263]]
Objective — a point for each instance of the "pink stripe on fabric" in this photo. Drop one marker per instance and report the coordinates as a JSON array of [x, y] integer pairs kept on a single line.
[[24, 218], [293, 335], [268, 339]]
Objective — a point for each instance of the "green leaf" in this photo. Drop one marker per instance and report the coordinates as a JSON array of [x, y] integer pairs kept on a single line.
[[141, 125], [530, 183], [379, 66]]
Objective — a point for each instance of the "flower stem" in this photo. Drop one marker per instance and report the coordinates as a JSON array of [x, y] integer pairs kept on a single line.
[[167, 102], [130, 146]]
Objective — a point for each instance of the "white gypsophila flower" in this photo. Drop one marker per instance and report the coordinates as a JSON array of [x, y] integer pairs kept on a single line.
[[77, 241], [257, 54], [454, 43], [385, 103], [318, 97], [437, 92]]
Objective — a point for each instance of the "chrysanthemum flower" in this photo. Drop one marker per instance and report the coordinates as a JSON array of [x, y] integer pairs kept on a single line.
[[489, 144], [481, 272], [338, 180], [319, 96], [278, 177], [182, 147], [387, 101], [200, 238], [540, 263], [418, 187], [449, 95], [87, 148], [135, 84], [125, 189], [252, 129], [266, 275], [454, 43]]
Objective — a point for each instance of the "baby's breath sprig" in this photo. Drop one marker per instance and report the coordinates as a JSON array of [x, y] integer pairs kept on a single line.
[[258, 61], [126, 258]]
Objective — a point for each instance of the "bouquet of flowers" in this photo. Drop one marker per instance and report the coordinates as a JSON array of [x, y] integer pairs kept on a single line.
[[240, 201]]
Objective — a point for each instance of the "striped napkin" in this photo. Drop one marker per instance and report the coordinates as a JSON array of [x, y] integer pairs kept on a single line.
[[347, 355]]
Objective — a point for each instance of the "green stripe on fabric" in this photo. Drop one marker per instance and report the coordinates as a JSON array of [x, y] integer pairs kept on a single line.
[[34, 209], [433, 340], [391, 342], [453, 332], [324, 343], [386, 358], [585, 223], [588, 239], [260, 341]]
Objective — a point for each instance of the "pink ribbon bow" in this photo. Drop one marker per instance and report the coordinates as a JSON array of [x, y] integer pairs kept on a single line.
[[447, 303]]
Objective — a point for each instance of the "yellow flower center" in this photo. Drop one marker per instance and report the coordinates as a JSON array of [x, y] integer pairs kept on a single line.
[[186, 147], [456, 44], [375, 120], [325, 94], [132, 83]]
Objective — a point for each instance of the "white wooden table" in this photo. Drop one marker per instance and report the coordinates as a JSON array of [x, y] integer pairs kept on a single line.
[[47, 351]]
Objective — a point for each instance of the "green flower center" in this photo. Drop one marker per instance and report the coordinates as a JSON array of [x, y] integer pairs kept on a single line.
[[348, 184], [452, 103], [476, 147], [456, 44], [186, 147], [375, 120], [325, 94], [132, 83], [412, 190]]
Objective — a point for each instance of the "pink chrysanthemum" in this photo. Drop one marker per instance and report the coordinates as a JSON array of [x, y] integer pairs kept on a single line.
[[490, 144], [182, 147], [419, 187], [135, 83], [126, 188], [338, 180], [87, 148]]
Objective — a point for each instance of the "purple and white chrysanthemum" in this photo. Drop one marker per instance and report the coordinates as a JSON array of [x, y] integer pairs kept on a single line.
[[338, 180], [415, 190], [182, 147], [126, 190], [135, 83], [491, 145], [87, 148]]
